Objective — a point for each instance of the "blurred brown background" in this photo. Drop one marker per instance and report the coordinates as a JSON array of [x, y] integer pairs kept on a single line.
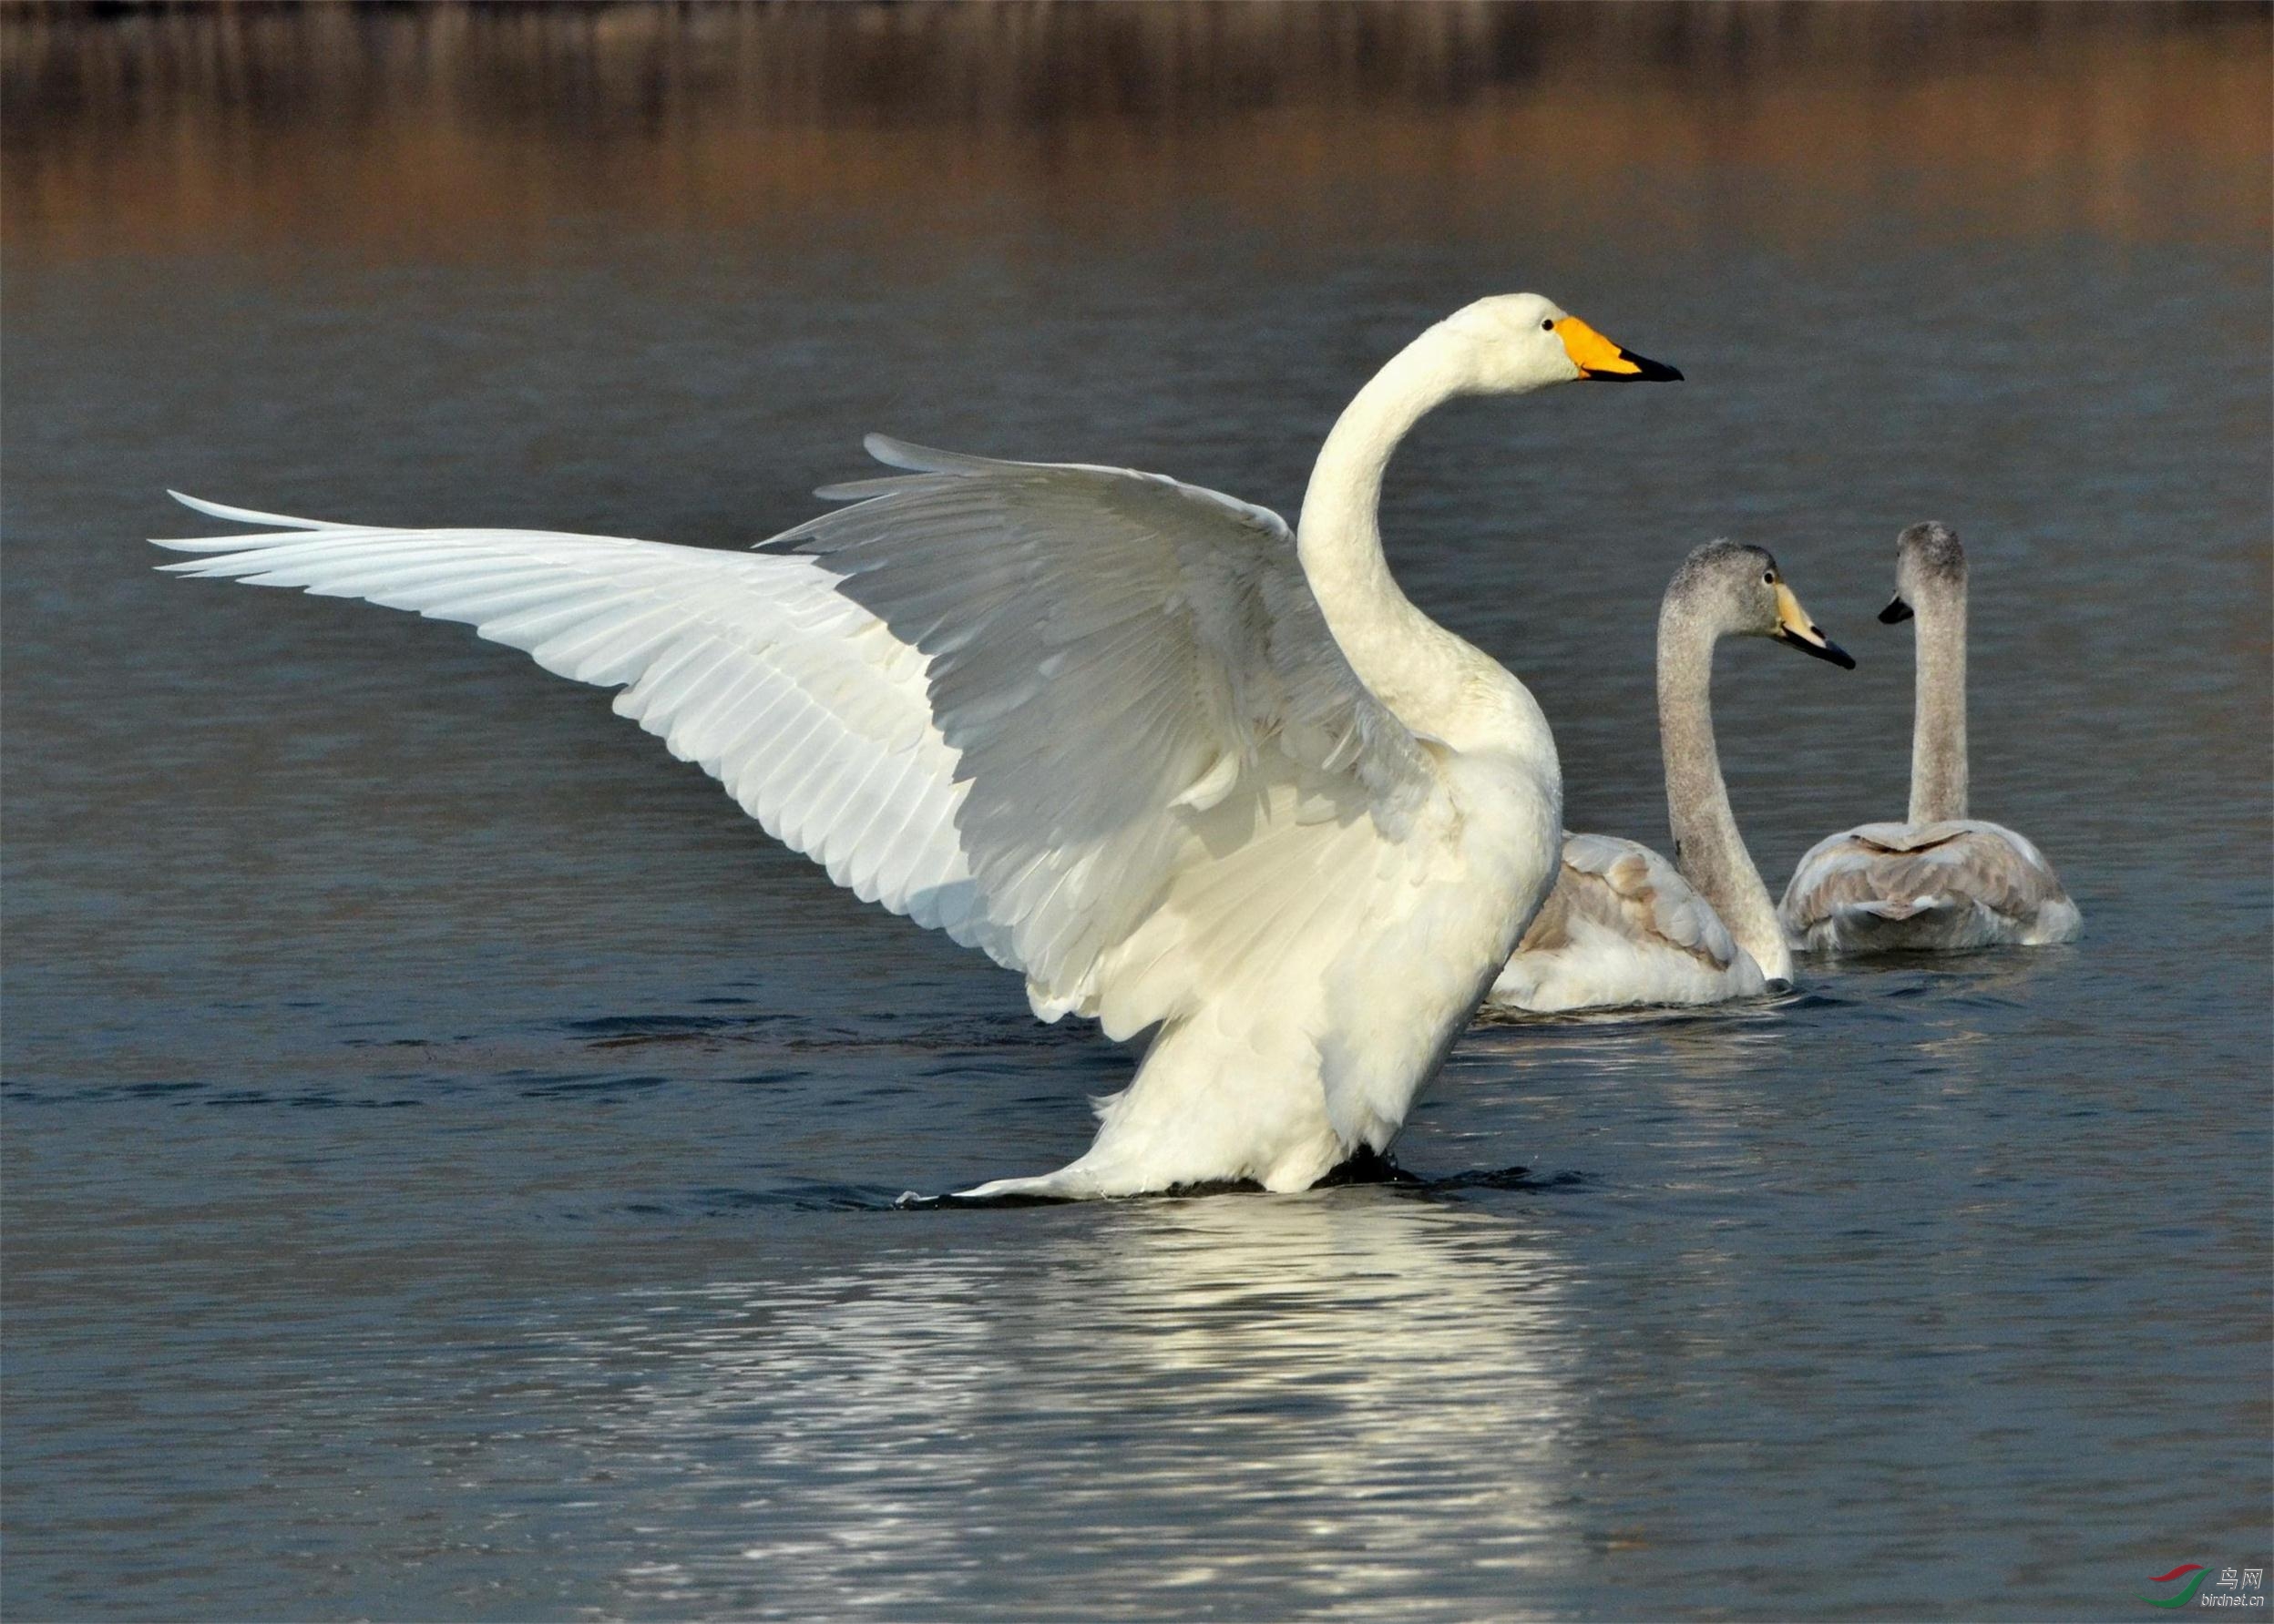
[[440, 129]]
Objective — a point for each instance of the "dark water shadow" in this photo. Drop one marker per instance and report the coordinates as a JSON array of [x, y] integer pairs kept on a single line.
[[723, 1201], [1766, 1006]]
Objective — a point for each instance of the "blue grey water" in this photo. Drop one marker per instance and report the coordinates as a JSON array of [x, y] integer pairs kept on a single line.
[[450, 1154]]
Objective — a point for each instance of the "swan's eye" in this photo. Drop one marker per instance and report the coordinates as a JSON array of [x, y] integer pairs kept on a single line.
[[1547, 323]]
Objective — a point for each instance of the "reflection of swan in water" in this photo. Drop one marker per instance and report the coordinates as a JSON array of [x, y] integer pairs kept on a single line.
[[1724, 1085], [1275, 1405], [1672, 1045]]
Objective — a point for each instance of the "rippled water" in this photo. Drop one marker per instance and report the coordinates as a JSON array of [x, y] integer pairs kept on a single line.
[[450, 1154]]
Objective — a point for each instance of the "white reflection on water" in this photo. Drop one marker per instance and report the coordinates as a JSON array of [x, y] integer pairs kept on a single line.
[[1304, 1402]]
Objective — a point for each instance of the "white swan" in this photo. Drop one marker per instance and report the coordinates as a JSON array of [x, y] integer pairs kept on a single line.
[[1939, 880], [1624, 926], [1186, 772]]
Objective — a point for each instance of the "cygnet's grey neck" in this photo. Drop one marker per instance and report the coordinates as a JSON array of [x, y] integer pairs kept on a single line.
[[1707, 848], [1938, 736]]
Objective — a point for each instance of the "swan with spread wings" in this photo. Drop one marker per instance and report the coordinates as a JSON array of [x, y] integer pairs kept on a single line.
[[1191, 773]]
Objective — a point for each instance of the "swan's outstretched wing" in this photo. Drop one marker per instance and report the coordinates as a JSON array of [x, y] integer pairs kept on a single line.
[[1113, 654], [1011, 700], [795, 697]]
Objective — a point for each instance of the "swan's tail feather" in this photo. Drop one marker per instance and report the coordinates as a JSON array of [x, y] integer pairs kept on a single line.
[[1941, 919], [1895, 912], [1042, 1187]]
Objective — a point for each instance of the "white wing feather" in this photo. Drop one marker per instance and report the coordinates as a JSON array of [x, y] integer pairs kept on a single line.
[[1108, 650], [1017, 702], [808, 711]]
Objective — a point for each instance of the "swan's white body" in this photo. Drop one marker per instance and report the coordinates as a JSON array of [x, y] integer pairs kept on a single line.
[[1625, 927], [1621, 928], [1939, 880], [1186, 772], [1939, 887]]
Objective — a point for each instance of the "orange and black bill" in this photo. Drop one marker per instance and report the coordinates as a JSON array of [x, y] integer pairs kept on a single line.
[[1597, 357]]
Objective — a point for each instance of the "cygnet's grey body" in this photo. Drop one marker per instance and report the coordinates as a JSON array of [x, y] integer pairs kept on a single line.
[[1624, 926]]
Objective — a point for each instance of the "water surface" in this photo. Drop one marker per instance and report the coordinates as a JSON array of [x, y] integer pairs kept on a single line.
[[450, 1153]]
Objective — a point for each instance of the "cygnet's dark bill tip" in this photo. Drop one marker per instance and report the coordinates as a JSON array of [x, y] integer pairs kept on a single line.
[[1822, 646], [1636, 368], [1896, 612]]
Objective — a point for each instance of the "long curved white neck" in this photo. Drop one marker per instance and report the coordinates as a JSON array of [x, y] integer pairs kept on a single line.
[[1707, 848], [1938, 731], [1411, 664]]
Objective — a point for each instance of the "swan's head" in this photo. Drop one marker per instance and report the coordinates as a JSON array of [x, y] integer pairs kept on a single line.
[[1734, 591], [1518, 342], [1929, 563]]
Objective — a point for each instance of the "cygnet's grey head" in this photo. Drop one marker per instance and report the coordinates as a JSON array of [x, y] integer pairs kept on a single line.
[[1927, 560], [1737, 590]]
